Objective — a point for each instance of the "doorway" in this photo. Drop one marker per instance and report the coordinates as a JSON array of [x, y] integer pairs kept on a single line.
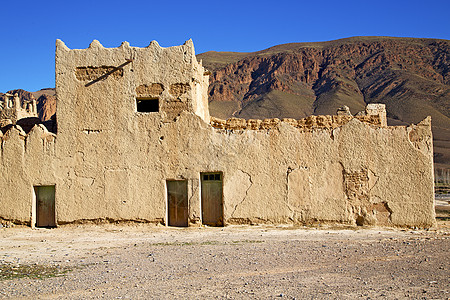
[[177, 202], [45, 206], [212, 203]]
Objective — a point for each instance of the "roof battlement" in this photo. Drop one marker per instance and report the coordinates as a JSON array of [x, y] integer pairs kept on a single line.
[[95, 44]]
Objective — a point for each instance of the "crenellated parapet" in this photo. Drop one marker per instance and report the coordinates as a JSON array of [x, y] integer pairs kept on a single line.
[[16, 135], [374, 115]]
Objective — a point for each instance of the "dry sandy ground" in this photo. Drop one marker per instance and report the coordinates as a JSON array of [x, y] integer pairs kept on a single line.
[[239, 262]]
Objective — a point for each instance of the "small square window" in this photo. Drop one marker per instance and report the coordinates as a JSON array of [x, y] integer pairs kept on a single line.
[[145, 104]]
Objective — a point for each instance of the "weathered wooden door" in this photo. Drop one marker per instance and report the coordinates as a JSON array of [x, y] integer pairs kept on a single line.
[[177, 202], [212, 204], [45, 206]]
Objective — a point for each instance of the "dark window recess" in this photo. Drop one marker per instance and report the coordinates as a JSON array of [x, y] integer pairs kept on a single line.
[[147, 104]]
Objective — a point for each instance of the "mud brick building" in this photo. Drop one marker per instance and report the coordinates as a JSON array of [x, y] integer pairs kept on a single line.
[[135, 141]]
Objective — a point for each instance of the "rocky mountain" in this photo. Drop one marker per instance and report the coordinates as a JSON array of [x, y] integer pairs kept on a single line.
[[411, 76], [46, 104]]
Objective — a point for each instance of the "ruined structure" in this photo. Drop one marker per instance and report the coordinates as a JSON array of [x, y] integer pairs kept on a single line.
[[136, 142], [13, 109]]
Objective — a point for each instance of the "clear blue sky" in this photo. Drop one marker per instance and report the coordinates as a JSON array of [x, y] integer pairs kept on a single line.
[[29, 29]]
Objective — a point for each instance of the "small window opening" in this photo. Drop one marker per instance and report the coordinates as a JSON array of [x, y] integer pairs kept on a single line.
[[211, 177], [144, 104]]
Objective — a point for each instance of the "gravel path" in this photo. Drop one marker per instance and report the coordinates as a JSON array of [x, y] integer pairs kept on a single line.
[[263, 262]]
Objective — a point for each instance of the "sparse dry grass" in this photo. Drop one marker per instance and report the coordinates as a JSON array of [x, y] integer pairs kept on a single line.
[[35, 271]]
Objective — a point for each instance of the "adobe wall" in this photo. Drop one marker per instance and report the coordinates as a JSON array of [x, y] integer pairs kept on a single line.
[[26, 160], [355, 173], [109, 161], [281, 175]]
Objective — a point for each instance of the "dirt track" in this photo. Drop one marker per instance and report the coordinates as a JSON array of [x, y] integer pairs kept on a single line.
[[141, 261]]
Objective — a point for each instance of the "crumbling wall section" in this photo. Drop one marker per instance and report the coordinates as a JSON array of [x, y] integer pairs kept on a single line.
[[26, 160], [305, 124], [356, 173]]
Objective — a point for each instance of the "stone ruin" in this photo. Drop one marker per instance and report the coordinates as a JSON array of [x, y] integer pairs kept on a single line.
[[136, 142], [12, 109]]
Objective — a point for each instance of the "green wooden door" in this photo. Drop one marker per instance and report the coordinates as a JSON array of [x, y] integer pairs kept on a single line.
[[45, 206], [212, 204], [177, 203]]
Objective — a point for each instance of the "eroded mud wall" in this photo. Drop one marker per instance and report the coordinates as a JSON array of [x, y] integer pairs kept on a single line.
[[110, 160], [27, 160]]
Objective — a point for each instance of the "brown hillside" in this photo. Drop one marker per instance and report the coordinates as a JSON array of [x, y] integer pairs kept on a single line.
[[411, 76]]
